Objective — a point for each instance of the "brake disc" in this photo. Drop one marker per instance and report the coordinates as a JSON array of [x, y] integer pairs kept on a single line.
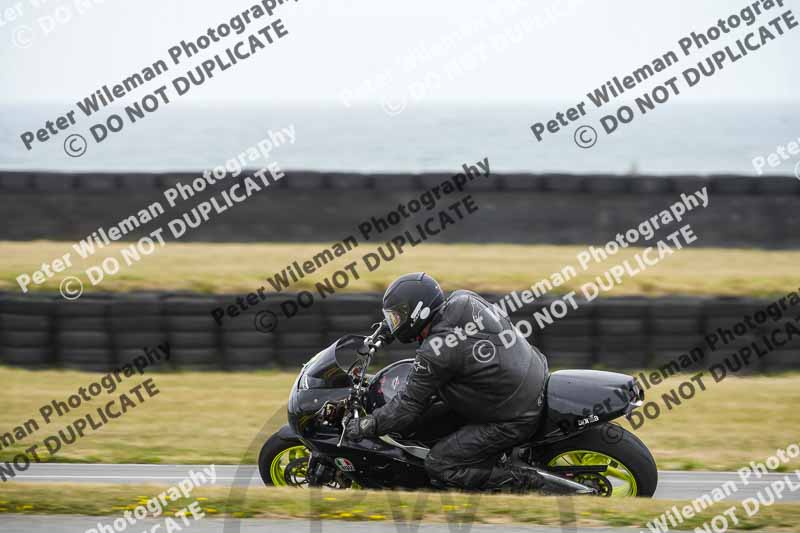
[[296, 472]]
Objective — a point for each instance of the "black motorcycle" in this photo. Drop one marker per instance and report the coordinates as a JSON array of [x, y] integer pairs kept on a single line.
[[575, 445]]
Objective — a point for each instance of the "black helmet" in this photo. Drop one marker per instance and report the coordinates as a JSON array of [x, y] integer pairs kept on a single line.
[[410, 303]]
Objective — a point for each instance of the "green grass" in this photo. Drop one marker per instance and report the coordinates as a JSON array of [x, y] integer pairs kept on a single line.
[[262, 502], [223, 418], [240, 268]]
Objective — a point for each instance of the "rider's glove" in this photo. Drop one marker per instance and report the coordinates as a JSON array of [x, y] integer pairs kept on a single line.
[[385, 333], [386, 337], [358, 428]]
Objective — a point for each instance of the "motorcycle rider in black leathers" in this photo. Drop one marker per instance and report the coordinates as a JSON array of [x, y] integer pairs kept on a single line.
[[497, 390]]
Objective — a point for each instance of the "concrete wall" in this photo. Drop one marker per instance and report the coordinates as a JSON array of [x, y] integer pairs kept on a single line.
[[326, 207]]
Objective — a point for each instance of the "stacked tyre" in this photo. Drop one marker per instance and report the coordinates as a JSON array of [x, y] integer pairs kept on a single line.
[[784, 358], [26, 332], [300, 335], [622, 324], [724, 314], [192, 334], [249, 340], [83, 335], [568, 342], [137, 325], [676, 326]]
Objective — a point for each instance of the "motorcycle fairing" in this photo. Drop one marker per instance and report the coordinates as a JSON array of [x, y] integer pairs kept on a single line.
[[577, 399]]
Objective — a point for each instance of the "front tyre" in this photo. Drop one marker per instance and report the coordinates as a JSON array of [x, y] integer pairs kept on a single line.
[[630, 467], [283, 462]]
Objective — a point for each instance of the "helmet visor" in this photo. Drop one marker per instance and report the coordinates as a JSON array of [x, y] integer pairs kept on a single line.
[[394, 318]]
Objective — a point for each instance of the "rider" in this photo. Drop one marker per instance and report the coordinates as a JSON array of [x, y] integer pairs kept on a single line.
[[497, 390]]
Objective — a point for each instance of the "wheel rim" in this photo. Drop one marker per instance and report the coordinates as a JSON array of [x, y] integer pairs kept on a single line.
[[623, 482], [277, 470]]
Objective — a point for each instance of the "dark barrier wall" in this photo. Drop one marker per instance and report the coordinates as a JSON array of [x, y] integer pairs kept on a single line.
[[102, 333], [326, 207]]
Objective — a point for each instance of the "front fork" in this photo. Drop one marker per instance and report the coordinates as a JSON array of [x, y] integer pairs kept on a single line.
[[326, 475], [319, 474]]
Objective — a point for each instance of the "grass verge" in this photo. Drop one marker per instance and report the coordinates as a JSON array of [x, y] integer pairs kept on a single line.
[[224, 418], [262, 502], [241, 268]]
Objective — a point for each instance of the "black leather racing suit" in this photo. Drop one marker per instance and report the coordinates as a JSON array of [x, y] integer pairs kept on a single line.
[[497, 390]]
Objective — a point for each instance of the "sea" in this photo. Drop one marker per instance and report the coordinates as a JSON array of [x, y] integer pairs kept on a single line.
[[676, 138]]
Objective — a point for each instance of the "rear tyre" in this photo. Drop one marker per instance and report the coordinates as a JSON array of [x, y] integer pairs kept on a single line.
[[631, 469]]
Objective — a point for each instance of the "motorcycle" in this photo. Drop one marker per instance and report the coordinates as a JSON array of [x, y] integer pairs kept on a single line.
[[576, 447]]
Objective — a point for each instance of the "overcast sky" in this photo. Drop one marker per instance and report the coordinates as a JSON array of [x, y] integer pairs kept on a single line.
[[335, 48]]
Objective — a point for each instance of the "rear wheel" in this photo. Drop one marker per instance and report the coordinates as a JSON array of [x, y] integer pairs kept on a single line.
[[630, 469]]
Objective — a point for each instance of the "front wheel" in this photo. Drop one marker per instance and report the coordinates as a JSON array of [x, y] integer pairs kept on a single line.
[[283, 462], [630, 467]]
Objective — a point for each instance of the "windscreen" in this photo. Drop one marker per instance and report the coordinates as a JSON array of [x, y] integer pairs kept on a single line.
[[328, 369]]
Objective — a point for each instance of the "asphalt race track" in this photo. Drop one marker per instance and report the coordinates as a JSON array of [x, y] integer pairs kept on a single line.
[[671, 485]]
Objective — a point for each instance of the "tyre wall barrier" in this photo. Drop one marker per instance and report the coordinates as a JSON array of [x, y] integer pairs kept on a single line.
[[744, 211], [103, 332]]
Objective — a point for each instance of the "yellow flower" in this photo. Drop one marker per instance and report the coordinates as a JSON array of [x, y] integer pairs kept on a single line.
[[345, 515], [329, 499], [202, 499], [377, 517], [210, 510]]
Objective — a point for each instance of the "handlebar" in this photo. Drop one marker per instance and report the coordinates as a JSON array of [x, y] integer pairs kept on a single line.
[[375, 346], [381, 335], [373, 343]]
